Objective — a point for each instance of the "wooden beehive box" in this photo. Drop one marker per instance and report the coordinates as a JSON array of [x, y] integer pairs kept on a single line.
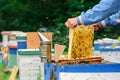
[[33, 40]]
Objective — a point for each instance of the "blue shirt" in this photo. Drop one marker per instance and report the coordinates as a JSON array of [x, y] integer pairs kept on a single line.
[[99, 12], [113, 20]]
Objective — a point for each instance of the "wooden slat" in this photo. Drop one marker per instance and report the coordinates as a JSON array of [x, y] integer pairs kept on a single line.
[[70, 42], [14, 73], [91, 60]]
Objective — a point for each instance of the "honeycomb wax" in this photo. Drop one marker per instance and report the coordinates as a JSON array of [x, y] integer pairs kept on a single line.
[[80, 42]]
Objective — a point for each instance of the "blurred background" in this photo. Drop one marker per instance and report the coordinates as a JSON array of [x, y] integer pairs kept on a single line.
[[46, 15]]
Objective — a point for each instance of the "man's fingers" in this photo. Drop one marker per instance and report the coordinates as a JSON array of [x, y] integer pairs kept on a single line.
[[68, 24], [96, 27], [71, 23]]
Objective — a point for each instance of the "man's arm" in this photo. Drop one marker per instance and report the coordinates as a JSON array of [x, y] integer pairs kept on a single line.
[[99, 12], [113, 21]]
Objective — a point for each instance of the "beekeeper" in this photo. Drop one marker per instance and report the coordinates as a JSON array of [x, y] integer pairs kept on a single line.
[[106, 13]]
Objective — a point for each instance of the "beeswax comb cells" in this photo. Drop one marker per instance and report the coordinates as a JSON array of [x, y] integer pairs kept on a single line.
[[80, 42]]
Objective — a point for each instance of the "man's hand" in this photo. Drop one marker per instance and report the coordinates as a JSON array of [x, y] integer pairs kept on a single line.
[[96, 27], [71, 23]]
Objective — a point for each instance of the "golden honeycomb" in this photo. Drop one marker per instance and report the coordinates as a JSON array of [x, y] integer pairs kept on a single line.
[[80, 42]]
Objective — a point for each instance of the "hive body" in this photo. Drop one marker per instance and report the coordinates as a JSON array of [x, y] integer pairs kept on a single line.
[[80, 42]]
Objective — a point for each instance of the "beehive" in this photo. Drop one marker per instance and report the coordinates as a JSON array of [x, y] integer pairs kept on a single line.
[[80, 42], [33, 41]]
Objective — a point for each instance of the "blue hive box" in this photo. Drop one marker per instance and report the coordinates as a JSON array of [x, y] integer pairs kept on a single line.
[[106, 47], [107, 44], [21, 44], [21, 40], [55, 70], [12, 49]]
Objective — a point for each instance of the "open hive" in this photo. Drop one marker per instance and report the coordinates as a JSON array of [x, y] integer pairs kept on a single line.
[[80, 47]]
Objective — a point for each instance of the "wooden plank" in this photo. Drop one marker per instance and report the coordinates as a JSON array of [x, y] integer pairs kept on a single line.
[[91, 60], [70, 42], [14, 73]]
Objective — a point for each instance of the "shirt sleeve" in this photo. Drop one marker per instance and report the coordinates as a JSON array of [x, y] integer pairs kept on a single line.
[[99, 12], [113, 21]]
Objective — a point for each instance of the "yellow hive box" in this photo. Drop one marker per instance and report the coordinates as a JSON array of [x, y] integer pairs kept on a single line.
[[80, 42]]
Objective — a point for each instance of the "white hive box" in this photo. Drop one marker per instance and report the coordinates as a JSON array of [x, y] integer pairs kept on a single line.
[[29, 63]]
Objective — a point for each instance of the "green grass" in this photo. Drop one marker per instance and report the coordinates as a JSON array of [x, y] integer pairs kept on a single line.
[[3, 75]]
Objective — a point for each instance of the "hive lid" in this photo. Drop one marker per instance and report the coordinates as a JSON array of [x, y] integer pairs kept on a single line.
[[21, 34], [12, 46], [28, 51], [5, 32]]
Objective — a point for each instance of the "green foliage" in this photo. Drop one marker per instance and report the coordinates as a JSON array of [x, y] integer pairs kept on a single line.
[[20, 14], [109, 32], [30, 15]]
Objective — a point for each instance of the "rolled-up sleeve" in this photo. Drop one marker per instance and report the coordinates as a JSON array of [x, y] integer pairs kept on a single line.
[[113, 21], [99, 12]]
